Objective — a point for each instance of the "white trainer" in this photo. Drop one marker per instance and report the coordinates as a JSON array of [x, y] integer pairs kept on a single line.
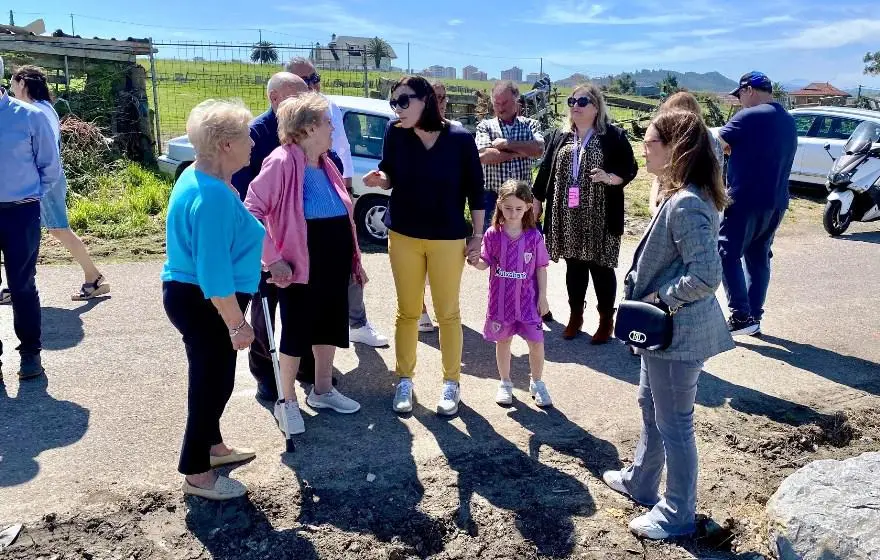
[[368, 335], [504, 396], [403, 396], [539, 392], [645, 527], [333, 400], [425, 323], [448, 404], [287, 413]]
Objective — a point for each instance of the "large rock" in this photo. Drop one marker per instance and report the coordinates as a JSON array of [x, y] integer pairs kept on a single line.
[[828, 510]]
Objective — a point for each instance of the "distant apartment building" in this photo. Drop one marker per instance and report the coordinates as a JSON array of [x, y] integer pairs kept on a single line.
[[467, 73], [514, 74], [450, 73], [435, 71], [480, 76]]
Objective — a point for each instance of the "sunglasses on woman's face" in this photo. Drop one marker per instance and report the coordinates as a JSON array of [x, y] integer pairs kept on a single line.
[[313, 79], [580, 101], [401, 100]]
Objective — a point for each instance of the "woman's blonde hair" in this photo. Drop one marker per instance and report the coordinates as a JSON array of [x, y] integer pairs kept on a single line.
[[521, 190], [297, 114], [603, 119], [691, 159], [684, 100], [213, 122]]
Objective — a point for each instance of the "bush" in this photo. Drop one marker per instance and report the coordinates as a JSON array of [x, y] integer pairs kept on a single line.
[[126, 202], [85, 154]]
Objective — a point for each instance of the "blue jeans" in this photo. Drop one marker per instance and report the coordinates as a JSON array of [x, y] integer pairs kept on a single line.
[[20, 244], [667, 389], [490, 200], [744, 243]]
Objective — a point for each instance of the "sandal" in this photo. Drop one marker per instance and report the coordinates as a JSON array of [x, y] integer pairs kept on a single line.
[[91, 290], [5, 296]]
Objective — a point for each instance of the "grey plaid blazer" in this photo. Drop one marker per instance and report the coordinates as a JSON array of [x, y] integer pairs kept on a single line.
[[678, 258]]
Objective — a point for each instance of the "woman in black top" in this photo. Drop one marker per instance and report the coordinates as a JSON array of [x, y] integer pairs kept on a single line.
[[585, 167], [434, 168]]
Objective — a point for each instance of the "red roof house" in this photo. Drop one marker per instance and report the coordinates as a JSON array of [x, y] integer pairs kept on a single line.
[[818, 92]]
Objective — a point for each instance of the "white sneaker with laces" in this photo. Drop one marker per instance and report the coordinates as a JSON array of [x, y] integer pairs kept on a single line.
[[539, 392], [403, 395], [645, 527], [425, 323], [368, 335], [287, 413], [333, 400], [448, 404], [614, 480], [504, 396]]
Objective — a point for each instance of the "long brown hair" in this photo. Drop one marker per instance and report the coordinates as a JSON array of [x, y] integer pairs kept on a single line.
[[35, 83], [522, 191], [691, 160]]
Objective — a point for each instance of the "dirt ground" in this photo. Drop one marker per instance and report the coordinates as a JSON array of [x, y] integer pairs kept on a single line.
[[493, 482]]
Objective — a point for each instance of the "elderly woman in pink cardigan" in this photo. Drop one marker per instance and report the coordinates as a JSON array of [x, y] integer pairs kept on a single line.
[[310, 251]]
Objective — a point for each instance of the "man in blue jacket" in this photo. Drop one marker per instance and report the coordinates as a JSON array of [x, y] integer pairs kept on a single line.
[[30, 164], [762, 139]]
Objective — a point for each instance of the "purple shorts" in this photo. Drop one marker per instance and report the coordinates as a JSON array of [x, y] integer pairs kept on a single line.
[[494, 331]]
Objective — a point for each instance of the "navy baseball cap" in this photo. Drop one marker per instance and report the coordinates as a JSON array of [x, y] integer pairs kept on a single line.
[[754, 79]]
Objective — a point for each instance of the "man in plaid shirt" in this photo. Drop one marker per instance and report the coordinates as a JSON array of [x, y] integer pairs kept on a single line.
[[508, 143]]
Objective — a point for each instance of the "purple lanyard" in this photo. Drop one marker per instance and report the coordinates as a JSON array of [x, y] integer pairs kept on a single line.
[[579, 148]]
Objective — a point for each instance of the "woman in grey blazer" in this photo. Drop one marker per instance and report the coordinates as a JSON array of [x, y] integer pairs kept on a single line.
[[676, 265]]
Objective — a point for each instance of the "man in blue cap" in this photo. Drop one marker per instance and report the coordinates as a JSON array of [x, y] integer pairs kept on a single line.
[[762, 141]]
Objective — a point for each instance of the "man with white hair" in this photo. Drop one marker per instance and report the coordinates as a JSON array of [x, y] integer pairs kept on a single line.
[[360, 329], [30, 164]]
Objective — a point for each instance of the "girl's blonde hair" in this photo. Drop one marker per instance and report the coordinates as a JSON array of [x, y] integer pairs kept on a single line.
[[522, 191], [297, 114], [603, 119], [213, 122]]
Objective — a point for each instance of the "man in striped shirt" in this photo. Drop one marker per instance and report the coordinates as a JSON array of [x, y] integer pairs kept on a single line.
[[31, 164]]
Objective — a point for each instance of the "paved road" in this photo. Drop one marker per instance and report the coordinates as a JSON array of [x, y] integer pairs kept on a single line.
[[110, 417]]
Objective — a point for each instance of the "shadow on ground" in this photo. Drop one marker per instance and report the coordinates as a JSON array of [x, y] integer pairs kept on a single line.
[[63, 328]]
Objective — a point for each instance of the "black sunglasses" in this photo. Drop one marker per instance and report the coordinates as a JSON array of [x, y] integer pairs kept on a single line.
[[402, 100], [580, 101], [315, 78]]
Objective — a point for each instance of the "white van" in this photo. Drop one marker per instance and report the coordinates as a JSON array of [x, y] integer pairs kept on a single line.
[[364, 121]]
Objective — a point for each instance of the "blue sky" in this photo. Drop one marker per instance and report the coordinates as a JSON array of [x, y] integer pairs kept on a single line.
[[804, 39]]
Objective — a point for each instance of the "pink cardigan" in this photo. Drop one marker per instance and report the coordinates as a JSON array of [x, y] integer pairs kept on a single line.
[[275, 197]]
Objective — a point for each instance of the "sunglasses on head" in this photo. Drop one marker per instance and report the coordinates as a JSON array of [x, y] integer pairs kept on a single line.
[[313, 79], [580, 101], [402, 100]]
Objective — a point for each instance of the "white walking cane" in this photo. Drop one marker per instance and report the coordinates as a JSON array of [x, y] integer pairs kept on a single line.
[[289, 446]]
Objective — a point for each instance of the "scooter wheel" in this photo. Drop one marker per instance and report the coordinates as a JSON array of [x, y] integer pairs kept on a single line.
[[834, 223]]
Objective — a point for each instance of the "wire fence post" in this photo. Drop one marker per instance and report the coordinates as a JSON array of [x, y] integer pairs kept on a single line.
[[155, 79], [366, 78]]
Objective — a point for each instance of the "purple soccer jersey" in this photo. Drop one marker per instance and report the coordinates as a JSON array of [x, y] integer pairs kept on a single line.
[[513, 279]]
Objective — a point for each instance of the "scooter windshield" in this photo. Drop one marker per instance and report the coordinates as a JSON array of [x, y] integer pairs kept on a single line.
[[862, 138]]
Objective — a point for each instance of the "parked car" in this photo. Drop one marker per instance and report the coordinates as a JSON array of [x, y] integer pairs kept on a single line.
[[816, 127], [364, 121]]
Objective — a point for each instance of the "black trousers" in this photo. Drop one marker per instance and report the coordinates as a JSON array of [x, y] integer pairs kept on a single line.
[[20, 244], [211, 369], [577, 280]]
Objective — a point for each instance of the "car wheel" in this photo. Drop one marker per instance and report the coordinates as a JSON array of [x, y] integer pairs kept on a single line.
[[181, 168], [834, 223], [370, 218]]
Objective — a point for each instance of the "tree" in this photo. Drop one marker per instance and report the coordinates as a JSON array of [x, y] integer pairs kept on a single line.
[[779, 91], [669, 85], [872, 63], [626, 84], [264, 51], [377, 49]]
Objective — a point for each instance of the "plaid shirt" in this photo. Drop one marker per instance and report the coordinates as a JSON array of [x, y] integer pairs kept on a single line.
[[522, 130]]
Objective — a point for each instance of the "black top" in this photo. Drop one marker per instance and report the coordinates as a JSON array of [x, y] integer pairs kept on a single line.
[[619, 160], [430, 186]]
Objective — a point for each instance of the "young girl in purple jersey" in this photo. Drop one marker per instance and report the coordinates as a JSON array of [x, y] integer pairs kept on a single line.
[[514, 251]]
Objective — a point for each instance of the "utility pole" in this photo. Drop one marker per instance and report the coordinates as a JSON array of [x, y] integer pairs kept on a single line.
[[11, 18], [72, 28], [541, 71], [408, 67], [859, 96]]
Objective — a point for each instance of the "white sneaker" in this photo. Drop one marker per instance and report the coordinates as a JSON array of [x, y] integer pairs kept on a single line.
[[287, 414], [504, 396], [403, 396], [539, 392], [645, 527], [448, 404], [614, 480], [333, 400], [368, 335], [425, 323]]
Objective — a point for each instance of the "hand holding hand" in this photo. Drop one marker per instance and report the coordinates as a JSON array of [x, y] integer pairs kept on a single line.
[[376, 178], [282, 275], [543, 306], [473, 247], [243, 337]]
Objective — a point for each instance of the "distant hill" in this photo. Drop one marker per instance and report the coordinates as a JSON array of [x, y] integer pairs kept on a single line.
[[695, 81]]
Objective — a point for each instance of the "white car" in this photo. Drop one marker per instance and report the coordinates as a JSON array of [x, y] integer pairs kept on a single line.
[[364, 121]]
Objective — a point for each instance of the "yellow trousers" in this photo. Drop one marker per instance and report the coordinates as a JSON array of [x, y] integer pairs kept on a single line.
[[443, 261]]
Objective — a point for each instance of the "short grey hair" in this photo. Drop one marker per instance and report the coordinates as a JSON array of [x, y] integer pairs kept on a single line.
[[298, 60], [281, 79], [506, 85], [213, 121]]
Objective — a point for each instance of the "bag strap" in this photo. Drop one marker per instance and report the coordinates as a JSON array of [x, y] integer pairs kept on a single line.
[[641, 246]]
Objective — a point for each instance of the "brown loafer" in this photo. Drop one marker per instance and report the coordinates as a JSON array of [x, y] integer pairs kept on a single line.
[[237, 456]]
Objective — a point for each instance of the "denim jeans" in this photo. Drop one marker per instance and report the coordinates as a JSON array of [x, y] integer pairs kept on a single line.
[[20, 245], [490, 201], [667, 389], [744, 243]]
